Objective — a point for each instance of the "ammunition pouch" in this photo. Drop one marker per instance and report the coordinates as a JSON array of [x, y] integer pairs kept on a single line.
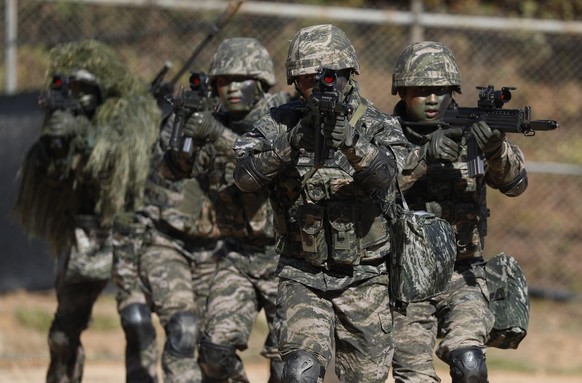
[[339, 230], [508, 301]]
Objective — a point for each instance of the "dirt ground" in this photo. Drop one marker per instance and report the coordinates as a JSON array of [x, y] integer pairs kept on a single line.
[[551, 353]]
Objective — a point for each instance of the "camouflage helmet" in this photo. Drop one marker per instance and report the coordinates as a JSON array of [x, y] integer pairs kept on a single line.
[[427, 63], [243, 56], [94, 58], [319, 46]]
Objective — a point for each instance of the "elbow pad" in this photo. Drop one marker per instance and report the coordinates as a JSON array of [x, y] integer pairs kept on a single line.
[[517, 186], [379, 174], [247, 177]]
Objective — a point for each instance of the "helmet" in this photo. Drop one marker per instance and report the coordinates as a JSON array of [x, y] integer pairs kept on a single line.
[[243, 56], [97, 62], [319, 46], [428, 63]]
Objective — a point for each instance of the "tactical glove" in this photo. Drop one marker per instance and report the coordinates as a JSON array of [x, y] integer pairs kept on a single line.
[[203, 127], [63, 123], [303, 134], [441, 148], [338, 133], [488, 140]]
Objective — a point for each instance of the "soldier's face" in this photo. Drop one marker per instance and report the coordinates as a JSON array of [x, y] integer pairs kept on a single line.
[[306, 83], [427, 103], [237, 94]]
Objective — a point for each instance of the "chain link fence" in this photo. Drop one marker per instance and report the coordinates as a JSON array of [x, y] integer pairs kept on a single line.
[[541, 228]]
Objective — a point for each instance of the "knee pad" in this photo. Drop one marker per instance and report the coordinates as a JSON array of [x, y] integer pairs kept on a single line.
[[468, 366], [276, 371], [217, 361], [136, 320], [182, 334], [302, 367]]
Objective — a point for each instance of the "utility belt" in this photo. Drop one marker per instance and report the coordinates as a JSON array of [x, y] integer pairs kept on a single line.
[[337, 232], [186, 241]]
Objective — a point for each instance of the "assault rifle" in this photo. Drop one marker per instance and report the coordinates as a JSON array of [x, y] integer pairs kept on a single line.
[[327, 99], [161, 89], [188, 102], [490, 109], [59, 97]]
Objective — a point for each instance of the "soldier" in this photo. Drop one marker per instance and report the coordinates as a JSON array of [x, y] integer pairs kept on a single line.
[[436, 179], [333, 237], [239, 226], [86, 167]]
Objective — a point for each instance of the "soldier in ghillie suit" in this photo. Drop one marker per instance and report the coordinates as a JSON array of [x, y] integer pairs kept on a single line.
[[89, 164], [436, 179], [227, 235], [334, 239]]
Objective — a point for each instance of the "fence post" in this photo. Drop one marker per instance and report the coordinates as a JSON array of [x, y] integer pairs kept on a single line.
[[10, 46], [416, 28]]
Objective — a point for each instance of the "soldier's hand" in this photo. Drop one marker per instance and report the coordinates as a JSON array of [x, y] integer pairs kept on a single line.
[[338, 133], [442, 146], [60, 123], [203, 127], [302, 136], [489, 140]]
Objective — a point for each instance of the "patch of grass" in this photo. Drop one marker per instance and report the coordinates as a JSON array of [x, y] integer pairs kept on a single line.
[[34, 319], [40, 320], [103, 322]]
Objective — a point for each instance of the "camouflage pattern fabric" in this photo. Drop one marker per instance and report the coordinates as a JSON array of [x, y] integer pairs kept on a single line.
[[167, 279], [315, 321], [325, 286], [423, 255], [234, 301], [319, 46], [461, 316], [232, 58], [449, 193], [426, 63], [509, 301], [70, 198], [192, 216]]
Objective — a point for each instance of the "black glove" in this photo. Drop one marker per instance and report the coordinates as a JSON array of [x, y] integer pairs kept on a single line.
[[487, 139], [338, 133], [303, 134], [441, 148], [203, 127]]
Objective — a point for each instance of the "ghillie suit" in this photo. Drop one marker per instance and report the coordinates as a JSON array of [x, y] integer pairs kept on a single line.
[[89, 164]]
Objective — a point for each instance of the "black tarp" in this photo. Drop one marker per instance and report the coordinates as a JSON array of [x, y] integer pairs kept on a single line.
[[24, 263]]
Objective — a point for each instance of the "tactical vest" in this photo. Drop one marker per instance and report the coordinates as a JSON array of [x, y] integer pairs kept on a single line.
[[447, 191], [326, 218]]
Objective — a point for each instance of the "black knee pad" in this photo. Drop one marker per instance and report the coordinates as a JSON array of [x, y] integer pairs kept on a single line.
[[182, 334], [302, 367], [136, 320], [216, 360], [468, 366]]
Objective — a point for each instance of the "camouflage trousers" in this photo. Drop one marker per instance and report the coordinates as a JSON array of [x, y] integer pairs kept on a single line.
[[460, 316], [234, 301], [356, 321], [166, 274], [74, 306], [141, 354]]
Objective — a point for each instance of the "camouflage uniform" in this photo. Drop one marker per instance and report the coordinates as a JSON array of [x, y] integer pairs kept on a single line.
[[234, 278], [333, 244], [78, 176], [446, 190]]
